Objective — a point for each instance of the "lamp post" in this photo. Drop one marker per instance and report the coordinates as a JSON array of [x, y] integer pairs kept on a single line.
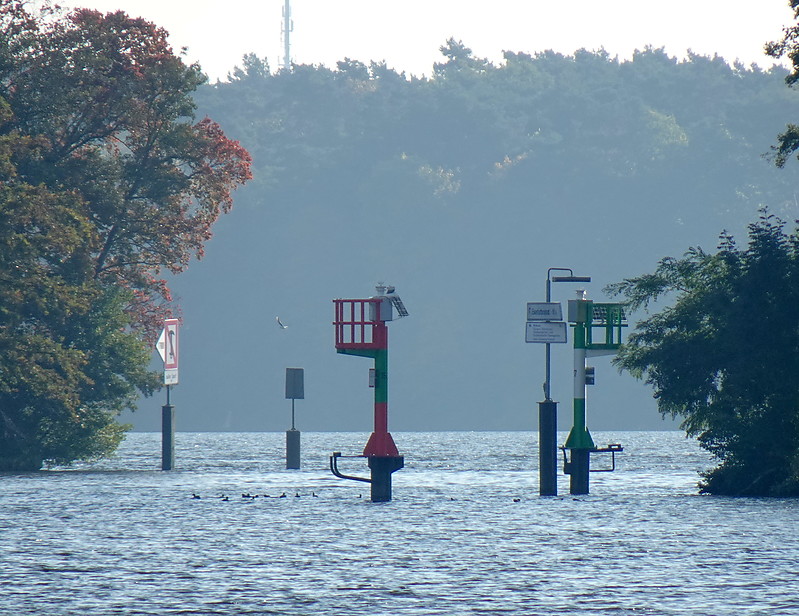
[[550, 279], [548, 410]]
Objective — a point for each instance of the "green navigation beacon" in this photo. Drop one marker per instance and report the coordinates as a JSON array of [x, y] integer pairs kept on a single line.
[[597, 331]]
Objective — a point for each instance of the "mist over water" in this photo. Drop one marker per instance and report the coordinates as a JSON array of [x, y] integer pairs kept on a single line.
[[466, 533]]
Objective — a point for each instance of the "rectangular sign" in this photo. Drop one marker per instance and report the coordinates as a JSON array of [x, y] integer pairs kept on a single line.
[[295, 383], [545, 332], [544, 311], [167, 347], [171, 344]]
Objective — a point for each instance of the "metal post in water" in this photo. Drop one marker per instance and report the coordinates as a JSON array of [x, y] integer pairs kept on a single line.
[[580, 471], [549, 315], [548, 448], [295, 390], [548, 426], [167, 434], [292, 449], [382, 468], [167, 347]]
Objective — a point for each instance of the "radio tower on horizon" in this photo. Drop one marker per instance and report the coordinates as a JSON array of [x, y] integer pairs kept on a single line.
[[288, 28]]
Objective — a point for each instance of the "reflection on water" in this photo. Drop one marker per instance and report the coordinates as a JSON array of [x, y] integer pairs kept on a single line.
[[466, 533]]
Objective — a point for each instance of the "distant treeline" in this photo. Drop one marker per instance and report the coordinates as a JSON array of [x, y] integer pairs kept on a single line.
[[537, 128]]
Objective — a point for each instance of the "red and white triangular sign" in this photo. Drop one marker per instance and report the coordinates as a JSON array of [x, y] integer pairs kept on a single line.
[[160, 346], [167, 347]]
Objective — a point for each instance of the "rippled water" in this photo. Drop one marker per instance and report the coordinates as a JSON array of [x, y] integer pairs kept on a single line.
[[466, 533]]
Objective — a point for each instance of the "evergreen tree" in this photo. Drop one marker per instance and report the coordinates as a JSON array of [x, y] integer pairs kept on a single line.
[[725, 355]]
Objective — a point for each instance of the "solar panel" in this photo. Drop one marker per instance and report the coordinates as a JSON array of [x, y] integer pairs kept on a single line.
[[398, 305], [601, 313]]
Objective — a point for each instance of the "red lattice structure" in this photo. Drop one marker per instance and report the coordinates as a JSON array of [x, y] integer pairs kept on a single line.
[[358, 325]]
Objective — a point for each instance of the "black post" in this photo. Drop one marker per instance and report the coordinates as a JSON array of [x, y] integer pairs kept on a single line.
[[292, 449], [580, 471], [167, 437], [548, 448], [382, 467]]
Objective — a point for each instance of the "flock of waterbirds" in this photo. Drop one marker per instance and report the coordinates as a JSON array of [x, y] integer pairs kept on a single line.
[[247, 495], [252, 497]]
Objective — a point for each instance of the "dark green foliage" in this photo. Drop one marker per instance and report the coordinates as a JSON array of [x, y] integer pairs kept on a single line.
[[105, 181], [533, 130], [68, 361], [788, 46], [725, 355]]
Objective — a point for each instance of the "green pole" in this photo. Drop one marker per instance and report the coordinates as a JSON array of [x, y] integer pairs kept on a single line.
[[579, 441], [579, 437], [381, 390]]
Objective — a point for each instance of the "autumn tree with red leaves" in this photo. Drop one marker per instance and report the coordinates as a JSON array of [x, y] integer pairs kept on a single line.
[[106, 181]]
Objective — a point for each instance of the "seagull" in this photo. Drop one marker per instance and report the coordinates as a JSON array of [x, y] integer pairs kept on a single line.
[[279, 322]]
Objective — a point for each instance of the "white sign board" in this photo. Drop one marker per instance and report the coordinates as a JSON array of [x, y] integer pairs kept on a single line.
[[168, 350], [545, 332], [544, 311]]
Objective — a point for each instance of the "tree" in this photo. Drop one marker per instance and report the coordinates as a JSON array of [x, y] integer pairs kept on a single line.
[[112, 107], [788, 141], [67, 363], [105, 181], [725, 355]]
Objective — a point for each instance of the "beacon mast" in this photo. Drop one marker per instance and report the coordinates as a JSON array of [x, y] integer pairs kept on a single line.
[[361, 330], [288, 28]]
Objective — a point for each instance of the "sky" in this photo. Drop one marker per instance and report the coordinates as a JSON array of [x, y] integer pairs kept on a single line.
[[408, 34]]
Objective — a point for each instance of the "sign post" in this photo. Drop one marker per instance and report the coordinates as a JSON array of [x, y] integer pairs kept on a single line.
[[545, 325], [295, 390], [168, 347], [168, 350]]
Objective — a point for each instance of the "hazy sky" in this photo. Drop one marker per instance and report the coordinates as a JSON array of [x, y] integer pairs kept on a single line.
[[408, 34]]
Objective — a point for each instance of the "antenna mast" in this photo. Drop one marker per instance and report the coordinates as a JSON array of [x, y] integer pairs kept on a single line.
[[288, 28]]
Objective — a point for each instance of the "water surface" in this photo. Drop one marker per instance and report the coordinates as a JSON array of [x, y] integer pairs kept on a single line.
[[465, 534]]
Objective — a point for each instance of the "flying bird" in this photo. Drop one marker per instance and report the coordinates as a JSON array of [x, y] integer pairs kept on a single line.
[[279, 322]]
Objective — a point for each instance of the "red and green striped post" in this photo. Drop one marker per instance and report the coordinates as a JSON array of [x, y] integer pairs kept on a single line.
[[361, 330]]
